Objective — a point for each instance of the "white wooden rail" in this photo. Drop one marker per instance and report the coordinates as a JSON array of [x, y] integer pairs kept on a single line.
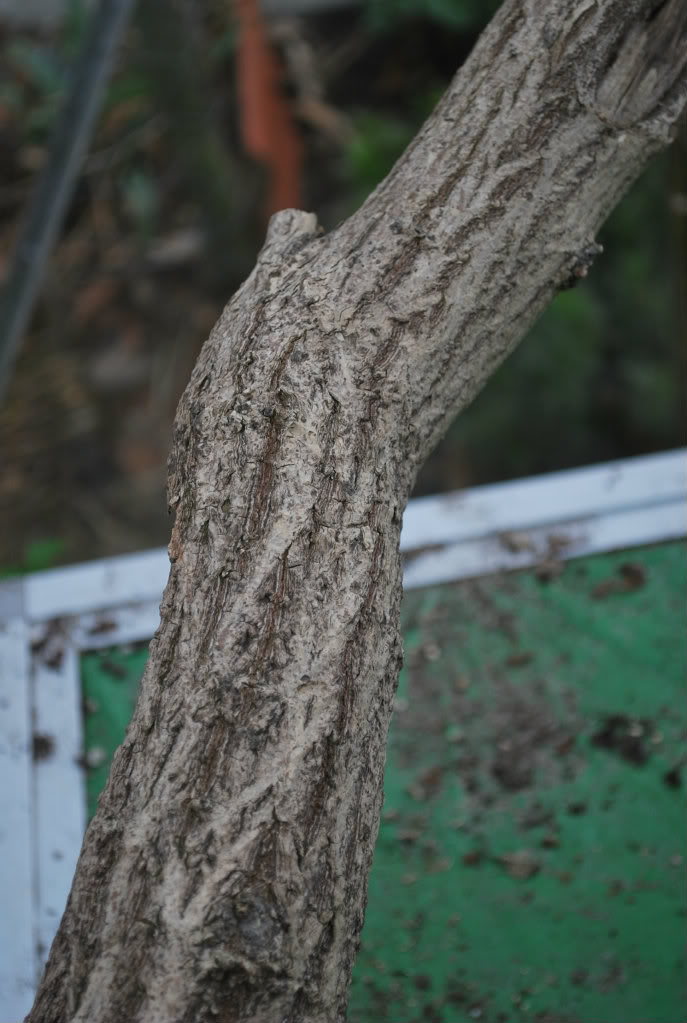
[[47, 619]]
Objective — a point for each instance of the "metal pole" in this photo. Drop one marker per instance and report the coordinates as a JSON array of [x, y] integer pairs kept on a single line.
[[53, 191]]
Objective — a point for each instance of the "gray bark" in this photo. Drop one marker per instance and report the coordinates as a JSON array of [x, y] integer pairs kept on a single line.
[[225, 874]]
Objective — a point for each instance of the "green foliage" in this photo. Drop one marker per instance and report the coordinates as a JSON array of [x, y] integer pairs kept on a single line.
[[41, 66], [458, 15], [75, 28], [224, 47], [130, 84], [141, 199], [540, 398], [38, 555], [43, 553], [43, 73], [11, 96], [379, 140], [45, 70]]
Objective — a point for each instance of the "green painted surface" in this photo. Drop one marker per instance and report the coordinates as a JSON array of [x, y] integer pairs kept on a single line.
[[530, 862], [109, 681]]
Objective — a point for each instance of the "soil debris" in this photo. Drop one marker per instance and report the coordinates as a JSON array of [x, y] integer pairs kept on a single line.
[[625, 736], [631, 576], [43, 746], [521, 864]]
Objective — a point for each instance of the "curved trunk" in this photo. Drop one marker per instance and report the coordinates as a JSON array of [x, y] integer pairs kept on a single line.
[[225, 873]]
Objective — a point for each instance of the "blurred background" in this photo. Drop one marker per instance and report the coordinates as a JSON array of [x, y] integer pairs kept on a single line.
[[214, 115]]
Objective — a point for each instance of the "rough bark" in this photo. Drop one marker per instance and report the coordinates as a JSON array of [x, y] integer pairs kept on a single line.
[[225, 874]]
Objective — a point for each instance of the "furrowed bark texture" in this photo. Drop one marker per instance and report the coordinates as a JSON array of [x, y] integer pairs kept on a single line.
[[224, 876]]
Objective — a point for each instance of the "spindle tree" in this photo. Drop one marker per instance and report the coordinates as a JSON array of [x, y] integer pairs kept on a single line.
[[224, 876]]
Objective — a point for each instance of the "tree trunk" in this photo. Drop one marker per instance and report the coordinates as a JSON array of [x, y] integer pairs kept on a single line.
[[224, 876]]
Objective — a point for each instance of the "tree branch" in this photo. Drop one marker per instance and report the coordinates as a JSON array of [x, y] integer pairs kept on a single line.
[[225, 873]]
